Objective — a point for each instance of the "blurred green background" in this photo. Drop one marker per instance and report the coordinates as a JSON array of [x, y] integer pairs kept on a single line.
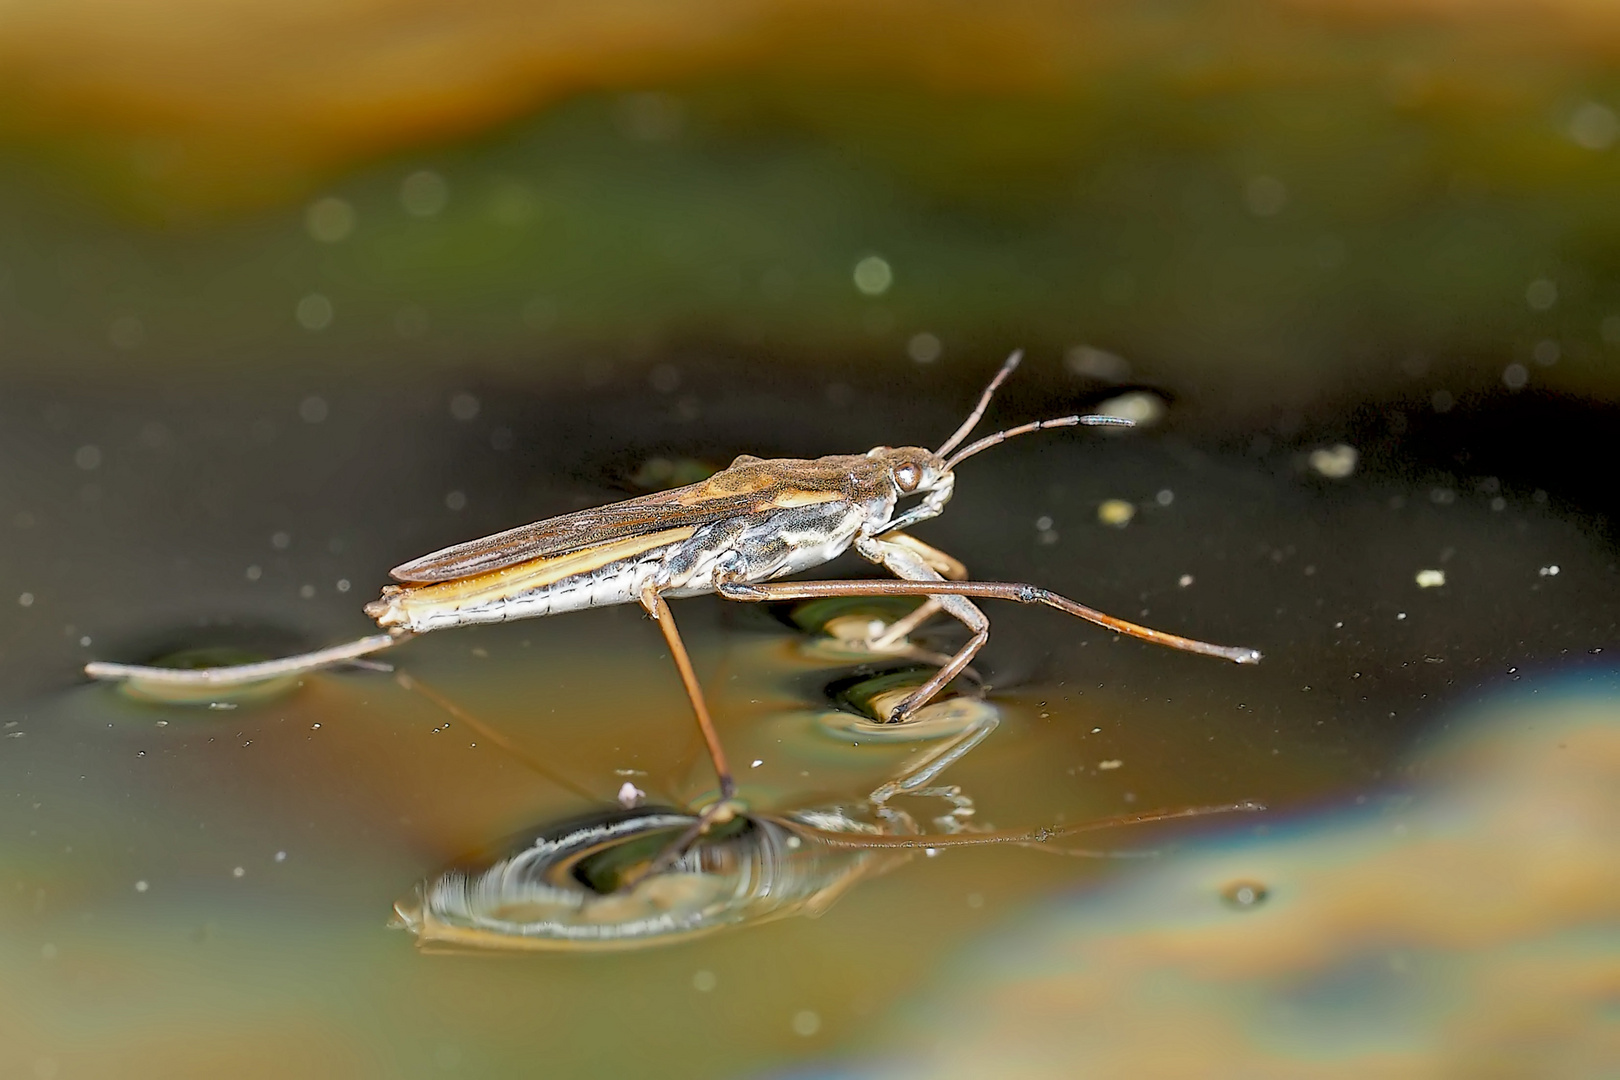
[[1257, 202]]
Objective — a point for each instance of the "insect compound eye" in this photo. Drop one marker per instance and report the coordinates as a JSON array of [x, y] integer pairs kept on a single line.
[[907, 477]]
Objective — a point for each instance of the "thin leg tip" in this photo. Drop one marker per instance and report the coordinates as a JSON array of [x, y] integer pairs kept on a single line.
[[1247, 656]]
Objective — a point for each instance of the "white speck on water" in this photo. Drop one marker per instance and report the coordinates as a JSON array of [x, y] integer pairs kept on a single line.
[[1541, 294], [757, 762], [1549, 571], [1400, 616], [1095, 363], [1139, 406], [424, 193], [924, 348], [26, 600], [1593, 126], [1266, 196], [126, 332], [664, 378], [343, 585], [314, 727], [1431, 579], [1184, 580], [1165, 497], [806, 1022], [873, 275], [630, 795], [464, 407], [329, 220], [1116, 512], [704, 981], [1111, 763], [281, 856], [1335, 462], [313, 311], [141, 886], [238, 872], [85, 640]]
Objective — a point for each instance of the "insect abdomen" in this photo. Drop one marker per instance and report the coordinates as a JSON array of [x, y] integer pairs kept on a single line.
[[612, 573]]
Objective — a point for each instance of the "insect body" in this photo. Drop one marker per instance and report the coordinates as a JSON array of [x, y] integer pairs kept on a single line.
[[754, 521], [733, 534]]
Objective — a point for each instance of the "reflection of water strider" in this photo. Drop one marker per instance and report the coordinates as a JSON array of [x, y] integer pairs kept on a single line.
[[628, 878], [731, 534]]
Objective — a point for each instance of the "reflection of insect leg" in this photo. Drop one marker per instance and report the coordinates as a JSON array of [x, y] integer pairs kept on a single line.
[[921, 770], [658, 608]]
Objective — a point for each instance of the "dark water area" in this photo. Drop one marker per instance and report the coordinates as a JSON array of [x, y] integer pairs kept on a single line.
[[188, 890]]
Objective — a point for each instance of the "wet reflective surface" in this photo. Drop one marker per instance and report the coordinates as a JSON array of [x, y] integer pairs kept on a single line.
[[190, 888], [1468, 925]]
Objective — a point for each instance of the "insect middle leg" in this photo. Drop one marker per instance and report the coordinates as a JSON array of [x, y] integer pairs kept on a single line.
[[658, 608]]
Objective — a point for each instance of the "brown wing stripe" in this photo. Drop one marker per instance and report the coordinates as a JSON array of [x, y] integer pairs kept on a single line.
[[525, 576]]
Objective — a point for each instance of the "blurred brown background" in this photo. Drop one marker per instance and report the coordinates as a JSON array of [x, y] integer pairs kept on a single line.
[[1255, 202]]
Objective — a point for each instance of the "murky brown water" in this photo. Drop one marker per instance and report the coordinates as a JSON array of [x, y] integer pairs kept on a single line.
[[189, 891]]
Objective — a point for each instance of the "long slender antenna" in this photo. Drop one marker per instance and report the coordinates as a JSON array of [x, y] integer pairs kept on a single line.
[[984, 402], [1089, 420]]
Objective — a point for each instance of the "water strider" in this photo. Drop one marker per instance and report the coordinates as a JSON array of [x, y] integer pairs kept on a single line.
[[732, 534]]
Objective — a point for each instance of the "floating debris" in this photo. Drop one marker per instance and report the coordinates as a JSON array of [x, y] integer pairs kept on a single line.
[[1142, 408], [1244, 895], [1116, 512], [1431, 579], [1336, 462]]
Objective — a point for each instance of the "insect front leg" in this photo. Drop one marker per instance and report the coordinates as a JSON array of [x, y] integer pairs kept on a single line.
[[907, 560], [947, 565]]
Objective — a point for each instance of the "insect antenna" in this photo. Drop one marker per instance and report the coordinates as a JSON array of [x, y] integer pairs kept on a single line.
[[984, 402], [1089, 420]]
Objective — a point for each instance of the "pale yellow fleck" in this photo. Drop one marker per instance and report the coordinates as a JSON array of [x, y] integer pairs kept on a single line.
[[1116, 512], [1336, 462]]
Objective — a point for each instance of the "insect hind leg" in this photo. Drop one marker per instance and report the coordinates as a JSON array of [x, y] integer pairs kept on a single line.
[[246, 674]]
